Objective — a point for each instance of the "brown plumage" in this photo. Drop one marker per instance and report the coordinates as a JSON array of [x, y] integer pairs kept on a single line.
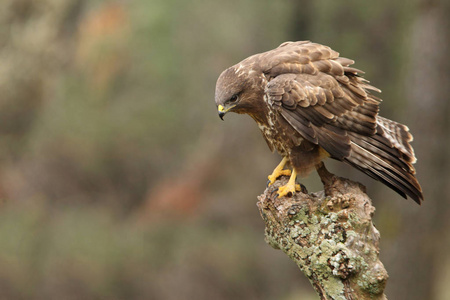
[[309, 104]]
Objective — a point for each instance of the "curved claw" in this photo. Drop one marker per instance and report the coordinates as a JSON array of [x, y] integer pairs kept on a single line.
[[284, 190], [302, 189], [274, 191], [287, 190]]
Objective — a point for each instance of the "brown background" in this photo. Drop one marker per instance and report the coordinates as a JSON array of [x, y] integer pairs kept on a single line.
[[119, 181]]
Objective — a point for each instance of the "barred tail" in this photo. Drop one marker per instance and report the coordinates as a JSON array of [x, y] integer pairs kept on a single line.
[[388, 157]]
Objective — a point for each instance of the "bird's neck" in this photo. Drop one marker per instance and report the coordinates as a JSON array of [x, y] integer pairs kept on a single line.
[[260, 115]]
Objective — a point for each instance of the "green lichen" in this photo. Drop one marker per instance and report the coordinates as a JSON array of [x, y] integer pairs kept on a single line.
[[314, 220], [305, 232], [333, 216], [334, 288], [295, 232], [330, 242], [301, 214], [354, 220]]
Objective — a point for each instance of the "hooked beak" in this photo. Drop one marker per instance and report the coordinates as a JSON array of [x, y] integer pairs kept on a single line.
[[222, 110]]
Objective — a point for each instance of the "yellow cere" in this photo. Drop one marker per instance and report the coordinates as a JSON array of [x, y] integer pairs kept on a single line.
[[221, 109]]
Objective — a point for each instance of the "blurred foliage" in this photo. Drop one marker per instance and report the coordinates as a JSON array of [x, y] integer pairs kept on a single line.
[[118, 180], [86, 253]]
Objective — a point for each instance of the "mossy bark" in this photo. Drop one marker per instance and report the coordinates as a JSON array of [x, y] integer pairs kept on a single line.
[[329, 235]]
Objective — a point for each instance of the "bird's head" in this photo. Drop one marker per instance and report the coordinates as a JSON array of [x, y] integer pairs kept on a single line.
[[235, 92]]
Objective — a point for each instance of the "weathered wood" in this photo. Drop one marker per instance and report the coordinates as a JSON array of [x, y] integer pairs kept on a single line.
[[329, 235]]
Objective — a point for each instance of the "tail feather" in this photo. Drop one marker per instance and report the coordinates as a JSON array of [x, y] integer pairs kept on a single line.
[[398, 134], [387, 157], [386, 152]]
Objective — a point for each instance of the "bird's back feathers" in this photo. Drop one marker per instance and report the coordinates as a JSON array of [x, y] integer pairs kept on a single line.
[[308, 89]]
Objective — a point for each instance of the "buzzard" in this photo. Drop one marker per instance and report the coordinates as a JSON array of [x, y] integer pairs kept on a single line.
[[311, 104]]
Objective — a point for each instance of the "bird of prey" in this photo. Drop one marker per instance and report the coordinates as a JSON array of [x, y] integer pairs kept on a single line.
[[311, 104]]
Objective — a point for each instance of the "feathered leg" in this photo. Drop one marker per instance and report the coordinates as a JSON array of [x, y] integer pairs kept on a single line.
[[326, 177]]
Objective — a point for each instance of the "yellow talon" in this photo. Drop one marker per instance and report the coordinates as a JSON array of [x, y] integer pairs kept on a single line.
[[279, 171], [275, 175], [290, 187]]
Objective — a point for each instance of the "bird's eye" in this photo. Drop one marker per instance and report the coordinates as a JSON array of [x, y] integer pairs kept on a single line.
[[234, 98]]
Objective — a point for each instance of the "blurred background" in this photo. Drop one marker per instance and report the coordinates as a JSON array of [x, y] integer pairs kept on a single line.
[[119, 181]]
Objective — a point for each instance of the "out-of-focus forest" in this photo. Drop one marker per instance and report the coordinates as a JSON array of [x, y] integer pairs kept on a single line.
[[119, 181]]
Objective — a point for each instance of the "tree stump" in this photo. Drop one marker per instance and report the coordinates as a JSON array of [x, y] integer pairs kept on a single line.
[[329, 235]]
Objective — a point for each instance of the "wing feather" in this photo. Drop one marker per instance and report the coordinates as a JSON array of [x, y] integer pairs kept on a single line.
[[313, 103], [302, 125], [325, 100]]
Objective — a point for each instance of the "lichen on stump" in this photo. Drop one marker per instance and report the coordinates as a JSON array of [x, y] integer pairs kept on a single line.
[[329, 235]]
